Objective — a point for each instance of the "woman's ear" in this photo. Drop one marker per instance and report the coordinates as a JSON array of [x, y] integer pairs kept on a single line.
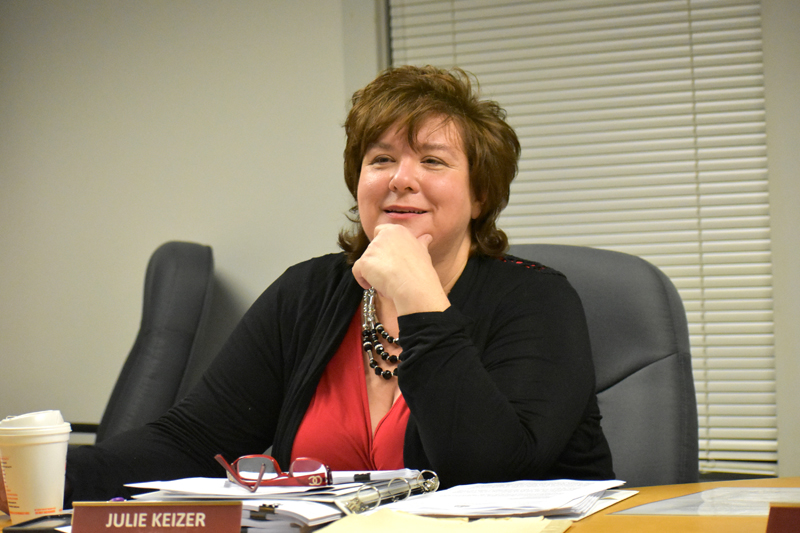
[[477, 207]]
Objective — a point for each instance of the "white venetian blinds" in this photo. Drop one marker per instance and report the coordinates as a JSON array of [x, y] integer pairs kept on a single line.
[[642, 125]]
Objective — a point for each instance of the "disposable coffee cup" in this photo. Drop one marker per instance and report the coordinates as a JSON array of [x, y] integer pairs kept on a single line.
[[33, 454]]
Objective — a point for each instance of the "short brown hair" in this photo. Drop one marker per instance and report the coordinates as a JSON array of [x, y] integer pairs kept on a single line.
[[408, 96]]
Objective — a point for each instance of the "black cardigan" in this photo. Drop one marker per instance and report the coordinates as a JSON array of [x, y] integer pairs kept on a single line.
[[500, 386]]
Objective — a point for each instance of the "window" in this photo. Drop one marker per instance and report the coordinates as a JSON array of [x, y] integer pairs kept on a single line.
[[642, 125]]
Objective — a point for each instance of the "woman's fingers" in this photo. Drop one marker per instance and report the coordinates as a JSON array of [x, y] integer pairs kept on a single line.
[[399, 266], [393, 257]]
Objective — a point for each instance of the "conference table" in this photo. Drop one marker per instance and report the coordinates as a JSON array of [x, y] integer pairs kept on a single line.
[[607, 521]]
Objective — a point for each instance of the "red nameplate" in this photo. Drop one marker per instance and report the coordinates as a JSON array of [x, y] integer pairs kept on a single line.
[[783, 518], [157, 517]]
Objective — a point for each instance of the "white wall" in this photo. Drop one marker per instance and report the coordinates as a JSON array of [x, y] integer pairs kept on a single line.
[[780, 23], [127, 124]]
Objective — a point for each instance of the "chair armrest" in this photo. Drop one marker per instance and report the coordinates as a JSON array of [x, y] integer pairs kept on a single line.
[[84, 427]]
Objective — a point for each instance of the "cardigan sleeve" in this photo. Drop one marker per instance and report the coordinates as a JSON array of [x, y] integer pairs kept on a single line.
[[233, 410], [501, 387]]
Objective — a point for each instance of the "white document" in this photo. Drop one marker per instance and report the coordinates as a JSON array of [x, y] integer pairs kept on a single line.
[[388, 521], [207, 487], [221, 488], [609, 498], [551, 497], [292, 511], [204, 487]]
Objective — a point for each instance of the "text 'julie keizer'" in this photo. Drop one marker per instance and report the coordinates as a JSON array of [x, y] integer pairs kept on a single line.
[[171, 519]]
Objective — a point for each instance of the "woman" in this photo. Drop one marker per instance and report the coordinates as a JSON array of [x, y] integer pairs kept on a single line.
[[491, 378]]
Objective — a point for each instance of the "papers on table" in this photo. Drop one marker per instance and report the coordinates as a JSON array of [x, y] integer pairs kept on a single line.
[[278, 509], [562, 497], [388, 521], [221, 488], [275, 508], [260, 514], [607, 500], [207, 487]]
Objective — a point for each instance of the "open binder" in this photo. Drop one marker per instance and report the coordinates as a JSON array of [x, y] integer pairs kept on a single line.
[[371, 495]]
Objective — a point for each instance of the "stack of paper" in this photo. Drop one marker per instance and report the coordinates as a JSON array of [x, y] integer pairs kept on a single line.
[[286, 508], [561, 497], [274, 515], [280, 508], [221, 488], [388, 521]]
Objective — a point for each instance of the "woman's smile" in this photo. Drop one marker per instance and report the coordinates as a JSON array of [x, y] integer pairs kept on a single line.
[[403, 212]]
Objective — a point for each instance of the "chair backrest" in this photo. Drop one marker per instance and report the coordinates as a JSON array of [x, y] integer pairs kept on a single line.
[[177, 296], [640, 347]]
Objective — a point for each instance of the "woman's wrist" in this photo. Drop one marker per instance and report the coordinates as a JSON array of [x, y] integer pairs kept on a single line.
[[423, 302]]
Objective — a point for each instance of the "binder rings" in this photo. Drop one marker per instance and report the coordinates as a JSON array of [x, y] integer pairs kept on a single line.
[[371, 495]]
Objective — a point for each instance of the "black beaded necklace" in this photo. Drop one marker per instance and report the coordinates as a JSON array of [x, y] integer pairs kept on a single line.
[[370, 329]]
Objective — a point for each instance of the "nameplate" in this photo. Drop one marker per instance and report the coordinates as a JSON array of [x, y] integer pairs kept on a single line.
[[157, 517], [783, 518]]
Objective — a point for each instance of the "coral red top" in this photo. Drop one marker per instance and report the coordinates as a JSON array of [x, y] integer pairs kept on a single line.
[[337, 429]]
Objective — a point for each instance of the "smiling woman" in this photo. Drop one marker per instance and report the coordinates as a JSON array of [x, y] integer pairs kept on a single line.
[[420, 346]]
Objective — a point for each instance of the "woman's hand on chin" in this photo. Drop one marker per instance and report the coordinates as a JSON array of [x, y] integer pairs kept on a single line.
[[399, 266]]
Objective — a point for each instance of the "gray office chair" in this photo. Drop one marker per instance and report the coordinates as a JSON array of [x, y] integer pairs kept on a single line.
[[640, 346], [165, 359]]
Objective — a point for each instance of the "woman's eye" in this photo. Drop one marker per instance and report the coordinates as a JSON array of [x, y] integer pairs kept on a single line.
[[377, 160], [432, 161]]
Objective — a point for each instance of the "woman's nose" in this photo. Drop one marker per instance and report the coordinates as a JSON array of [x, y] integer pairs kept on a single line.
[[405, 177]]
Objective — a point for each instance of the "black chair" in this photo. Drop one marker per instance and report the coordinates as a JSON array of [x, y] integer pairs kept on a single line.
[[640, 346], [164, 360]]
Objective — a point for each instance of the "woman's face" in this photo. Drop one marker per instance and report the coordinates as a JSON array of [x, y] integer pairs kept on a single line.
[[426, 189]]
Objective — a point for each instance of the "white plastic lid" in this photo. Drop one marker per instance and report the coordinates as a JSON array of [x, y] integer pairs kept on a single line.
[[38, 420]]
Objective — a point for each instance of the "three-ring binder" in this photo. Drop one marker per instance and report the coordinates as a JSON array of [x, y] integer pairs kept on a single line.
[[371, 495]]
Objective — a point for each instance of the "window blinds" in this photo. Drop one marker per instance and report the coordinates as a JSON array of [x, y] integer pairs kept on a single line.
[[642, 125]]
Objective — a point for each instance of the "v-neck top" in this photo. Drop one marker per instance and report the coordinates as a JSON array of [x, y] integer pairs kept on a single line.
[[337, 428]]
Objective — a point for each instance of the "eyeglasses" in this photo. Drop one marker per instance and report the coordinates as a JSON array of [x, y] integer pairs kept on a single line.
[[253, 471]]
